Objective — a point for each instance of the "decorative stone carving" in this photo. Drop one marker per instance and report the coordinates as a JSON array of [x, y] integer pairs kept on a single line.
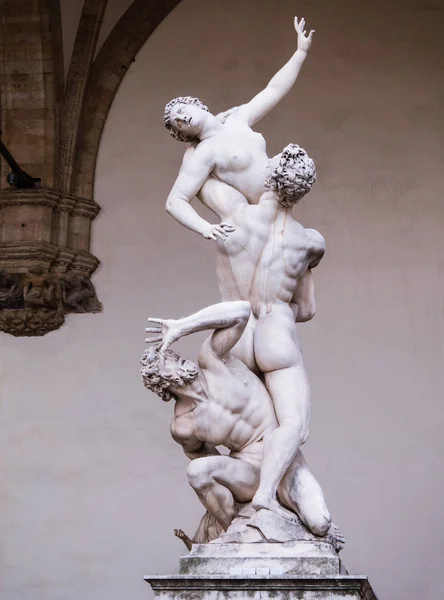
[[78, 293], [45, 263], [40, 289], [30, 322], [11, 291]]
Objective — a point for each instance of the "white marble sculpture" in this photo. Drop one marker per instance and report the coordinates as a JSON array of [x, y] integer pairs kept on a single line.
[[220, 402], [265, 258]]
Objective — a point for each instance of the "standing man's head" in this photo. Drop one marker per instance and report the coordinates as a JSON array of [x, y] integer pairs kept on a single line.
[[293, 177], [185, 118], [165, 373]]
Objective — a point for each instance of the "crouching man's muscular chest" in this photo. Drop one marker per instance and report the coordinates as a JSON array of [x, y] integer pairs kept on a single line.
[[236, 412]]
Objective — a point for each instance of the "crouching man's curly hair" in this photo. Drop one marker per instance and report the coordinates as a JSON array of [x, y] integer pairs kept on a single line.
[[181, 137], [293, 177], [155, 377]]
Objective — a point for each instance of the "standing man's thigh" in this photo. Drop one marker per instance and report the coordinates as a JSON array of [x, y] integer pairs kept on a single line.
[[278, 355], [276, 343], [244, 349]]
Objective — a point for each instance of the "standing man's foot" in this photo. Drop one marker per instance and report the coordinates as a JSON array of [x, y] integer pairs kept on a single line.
[[261, 501]]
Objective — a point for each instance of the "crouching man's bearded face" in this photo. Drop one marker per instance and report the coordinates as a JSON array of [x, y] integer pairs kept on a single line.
[[163, 373]]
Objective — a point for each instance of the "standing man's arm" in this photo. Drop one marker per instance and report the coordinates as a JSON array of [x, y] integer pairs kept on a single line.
[[303, 303], [281, 83]]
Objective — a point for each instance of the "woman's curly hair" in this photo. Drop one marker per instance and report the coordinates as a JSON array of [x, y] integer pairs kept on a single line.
[[293, 177], [157, 380], [181, 137]]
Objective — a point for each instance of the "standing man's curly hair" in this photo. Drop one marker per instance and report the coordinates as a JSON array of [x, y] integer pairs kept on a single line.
[[156, 379], [293, 177], [166, 119]]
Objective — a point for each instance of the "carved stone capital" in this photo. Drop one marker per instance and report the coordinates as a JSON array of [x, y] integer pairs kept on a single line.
[[66, 203], [17, 257], [63, 260], [84, 262], [32, 197], [86, 208]]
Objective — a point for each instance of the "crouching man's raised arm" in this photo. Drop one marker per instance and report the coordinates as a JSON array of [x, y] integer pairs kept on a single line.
[[227, 319]]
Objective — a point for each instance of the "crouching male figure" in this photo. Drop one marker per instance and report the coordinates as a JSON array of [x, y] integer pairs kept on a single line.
[[220, 402]]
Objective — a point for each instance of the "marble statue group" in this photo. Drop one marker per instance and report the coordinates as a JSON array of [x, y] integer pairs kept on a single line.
[[248, 390]]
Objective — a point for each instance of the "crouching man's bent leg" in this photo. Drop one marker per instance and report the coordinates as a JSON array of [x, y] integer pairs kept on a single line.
[[220, 481], [278, 356]]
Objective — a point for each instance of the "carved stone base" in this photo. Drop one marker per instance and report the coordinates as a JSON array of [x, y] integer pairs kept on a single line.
[[30, 322], [261, 571], [297, 558], [260, 587], [263, 556]]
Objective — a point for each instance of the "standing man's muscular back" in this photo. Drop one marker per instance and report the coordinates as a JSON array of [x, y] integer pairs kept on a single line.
[[288, 254]]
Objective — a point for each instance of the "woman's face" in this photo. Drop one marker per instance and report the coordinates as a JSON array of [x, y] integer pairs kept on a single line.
[[188, 119]]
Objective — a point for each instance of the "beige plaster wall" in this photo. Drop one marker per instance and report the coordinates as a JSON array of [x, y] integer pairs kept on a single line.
[[92, 486]]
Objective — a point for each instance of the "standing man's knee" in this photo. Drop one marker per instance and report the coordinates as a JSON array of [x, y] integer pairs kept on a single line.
[[318, 524]]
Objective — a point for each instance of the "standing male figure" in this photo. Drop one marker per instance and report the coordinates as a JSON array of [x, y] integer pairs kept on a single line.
[[267, 261]]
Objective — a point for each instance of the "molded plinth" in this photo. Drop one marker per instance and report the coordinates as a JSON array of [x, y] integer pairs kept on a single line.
[[260, 587]]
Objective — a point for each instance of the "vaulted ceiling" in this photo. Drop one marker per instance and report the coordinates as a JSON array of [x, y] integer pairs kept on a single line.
[[52, 120]]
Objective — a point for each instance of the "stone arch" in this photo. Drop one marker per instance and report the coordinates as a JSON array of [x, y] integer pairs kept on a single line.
[[107, 72]]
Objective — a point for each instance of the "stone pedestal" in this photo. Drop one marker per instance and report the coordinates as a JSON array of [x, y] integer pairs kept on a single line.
[[303, 570], [301, 558], [260, 587]]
